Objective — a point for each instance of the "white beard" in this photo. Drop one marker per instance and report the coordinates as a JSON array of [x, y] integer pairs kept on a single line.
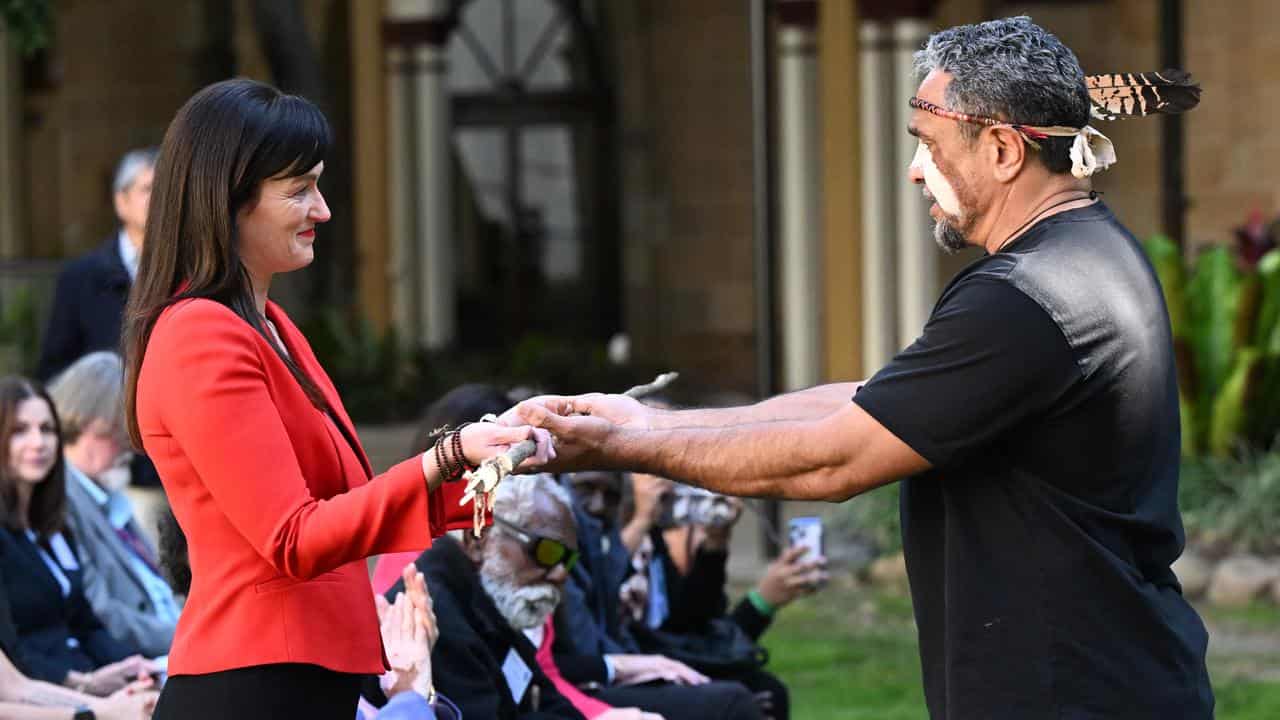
[[524, 608]]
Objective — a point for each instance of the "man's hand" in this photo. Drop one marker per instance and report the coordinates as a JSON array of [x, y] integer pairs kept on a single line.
[[639, 669], [791, 576], [620, 410], [579, 440]]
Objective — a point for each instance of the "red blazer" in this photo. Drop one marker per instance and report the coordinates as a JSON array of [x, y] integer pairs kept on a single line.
[[279, 508]]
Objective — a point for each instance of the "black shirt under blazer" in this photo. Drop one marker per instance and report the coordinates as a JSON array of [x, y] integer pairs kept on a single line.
[[45, 620]]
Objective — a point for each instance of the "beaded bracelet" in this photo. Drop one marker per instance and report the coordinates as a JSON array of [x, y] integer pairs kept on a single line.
[[450, 459]]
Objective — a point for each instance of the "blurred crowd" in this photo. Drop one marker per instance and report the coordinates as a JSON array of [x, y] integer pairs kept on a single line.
[[595, 595]]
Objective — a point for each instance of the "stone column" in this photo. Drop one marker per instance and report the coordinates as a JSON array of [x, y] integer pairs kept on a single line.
[[917, 253], [880, 177], [420, 170], [800, 195], [11, 244]]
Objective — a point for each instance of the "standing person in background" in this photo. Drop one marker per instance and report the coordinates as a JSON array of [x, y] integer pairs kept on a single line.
[[259, 459], [88, 304], [121, 569], [89, 300]]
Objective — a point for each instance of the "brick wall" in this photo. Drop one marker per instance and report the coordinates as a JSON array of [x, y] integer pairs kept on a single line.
[[685, 114], [116, 75]]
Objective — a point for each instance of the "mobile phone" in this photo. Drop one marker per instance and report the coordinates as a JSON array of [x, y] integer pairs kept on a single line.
[[807, 532]]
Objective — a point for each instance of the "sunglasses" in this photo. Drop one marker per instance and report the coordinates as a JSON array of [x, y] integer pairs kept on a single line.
[[544, 551]]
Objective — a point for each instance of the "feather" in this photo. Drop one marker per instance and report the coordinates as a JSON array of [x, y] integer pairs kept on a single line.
[[1129, 95]]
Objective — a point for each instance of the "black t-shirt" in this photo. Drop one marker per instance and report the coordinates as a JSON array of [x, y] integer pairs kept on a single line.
[[1038, 547]]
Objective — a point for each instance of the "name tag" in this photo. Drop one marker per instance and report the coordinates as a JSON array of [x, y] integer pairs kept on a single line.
[[517, 674]]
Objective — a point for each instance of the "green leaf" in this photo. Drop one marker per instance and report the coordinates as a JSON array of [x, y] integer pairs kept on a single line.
[[1227, 424], [1213, 303], [1166, 259], [1266, 337]]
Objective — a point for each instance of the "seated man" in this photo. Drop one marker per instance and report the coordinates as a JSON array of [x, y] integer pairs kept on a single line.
[[679, 590], [492, 598], [122, 578]]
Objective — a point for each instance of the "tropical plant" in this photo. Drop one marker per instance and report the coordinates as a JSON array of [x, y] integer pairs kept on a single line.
[[29, 24], [1226, 330], [1228, 504]]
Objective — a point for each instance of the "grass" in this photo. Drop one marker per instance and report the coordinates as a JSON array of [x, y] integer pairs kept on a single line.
[[850, 653]]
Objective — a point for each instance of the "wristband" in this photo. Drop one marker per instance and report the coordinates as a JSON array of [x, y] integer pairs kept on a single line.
[[759, 603]]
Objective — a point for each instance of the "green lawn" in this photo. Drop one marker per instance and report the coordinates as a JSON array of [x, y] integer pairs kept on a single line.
[[851, 653]]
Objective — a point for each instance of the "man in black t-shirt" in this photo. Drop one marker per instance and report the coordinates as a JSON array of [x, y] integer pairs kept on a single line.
[[1036, 416]]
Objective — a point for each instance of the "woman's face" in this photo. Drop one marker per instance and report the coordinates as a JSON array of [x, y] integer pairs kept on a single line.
[[33, 446], [278, 232]]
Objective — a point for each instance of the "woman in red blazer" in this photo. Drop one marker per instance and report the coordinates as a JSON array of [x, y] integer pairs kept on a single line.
[[260, 462]]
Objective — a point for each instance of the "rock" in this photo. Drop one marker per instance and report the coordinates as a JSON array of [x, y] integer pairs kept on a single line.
[[1275, 592], [1194, 572], [1240, 579], [889, 570]]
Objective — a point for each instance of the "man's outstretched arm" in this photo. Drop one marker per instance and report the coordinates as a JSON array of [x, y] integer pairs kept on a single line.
[[808, 404], [831, 458]]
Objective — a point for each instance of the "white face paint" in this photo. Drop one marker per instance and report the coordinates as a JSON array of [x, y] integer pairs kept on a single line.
[[942, 192]]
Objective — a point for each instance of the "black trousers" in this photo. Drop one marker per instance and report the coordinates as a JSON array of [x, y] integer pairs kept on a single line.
[[716, 700], [261, 692]]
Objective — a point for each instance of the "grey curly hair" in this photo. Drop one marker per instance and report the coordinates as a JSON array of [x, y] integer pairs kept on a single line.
[[1014, 70], [514, 499]]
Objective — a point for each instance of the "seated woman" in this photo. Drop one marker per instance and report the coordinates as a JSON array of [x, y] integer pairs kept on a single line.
[[122, 579], [60, 640]]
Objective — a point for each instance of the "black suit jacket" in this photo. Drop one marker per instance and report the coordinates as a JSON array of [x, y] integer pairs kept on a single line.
[[88, 310], [466, 663], [45, 620], [88, 306]]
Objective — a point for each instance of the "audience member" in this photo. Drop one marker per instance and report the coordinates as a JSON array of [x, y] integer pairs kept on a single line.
[[60, 640], [89, 299], [22, 698], [88, 303], [494, 596], [121, 573], [409, 632], [662, 606]]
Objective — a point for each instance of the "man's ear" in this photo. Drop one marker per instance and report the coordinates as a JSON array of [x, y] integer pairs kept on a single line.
[[1009, 153], [473, 546]]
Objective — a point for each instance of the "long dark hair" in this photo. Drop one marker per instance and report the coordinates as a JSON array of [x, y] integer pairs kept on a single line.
[[223, 143], [47, 512]]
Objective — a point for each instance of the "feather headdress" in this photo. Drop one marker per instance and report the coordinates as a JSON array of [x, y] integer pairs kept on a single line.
[[1129, 95]]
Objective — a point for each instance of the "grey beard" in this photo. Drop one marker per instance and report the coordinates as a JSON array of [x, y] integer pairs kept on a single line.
[[523, 608], [948, 237]]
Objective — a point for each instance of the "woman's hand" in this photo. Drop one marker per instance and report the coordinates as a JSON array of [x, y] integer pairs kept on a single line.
[[110, 678], [483, 440], [133, 702], [409, 631]]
